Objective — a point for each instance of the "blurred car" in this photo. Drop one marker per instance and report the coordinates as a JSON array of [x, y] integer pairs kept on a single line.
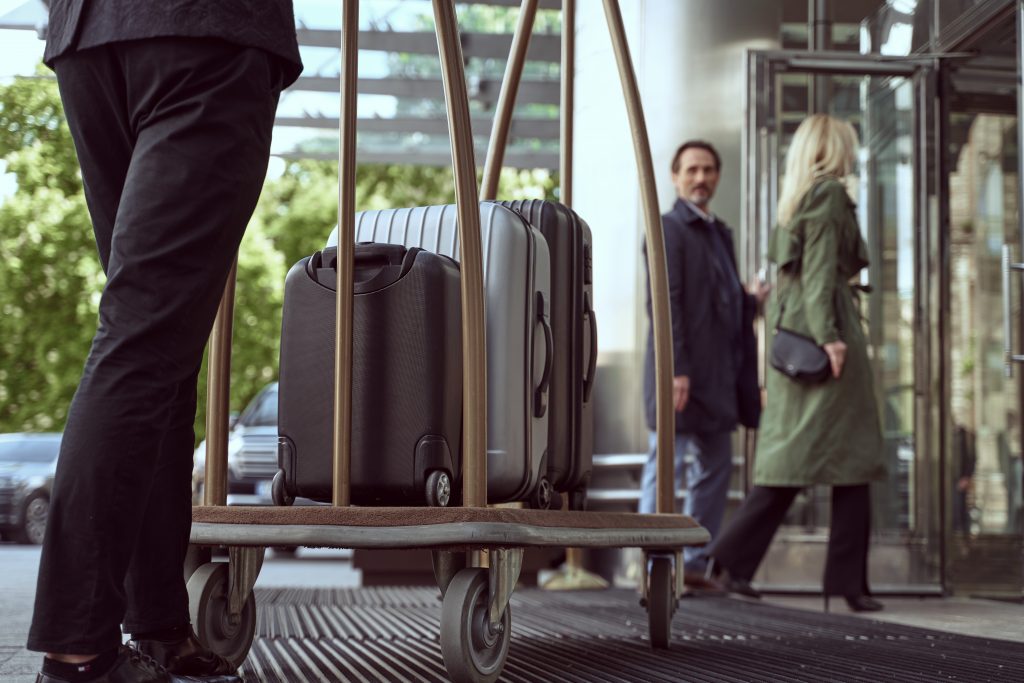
[[252, 452], [27, 465]]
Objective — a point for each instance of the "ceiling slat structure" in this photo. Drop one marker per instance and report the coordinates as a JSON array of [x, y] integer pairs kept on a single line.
[[402, 104]]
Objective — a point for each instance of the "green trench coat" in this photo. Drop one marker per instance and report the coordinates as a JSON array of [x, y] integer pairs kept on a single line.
[[828, 433]]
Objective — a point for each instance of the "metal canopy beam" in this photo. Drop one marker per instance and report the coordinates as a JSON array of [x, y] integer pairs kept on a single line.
[[543, 48], [486, 90], [418, 157], [537, 128]]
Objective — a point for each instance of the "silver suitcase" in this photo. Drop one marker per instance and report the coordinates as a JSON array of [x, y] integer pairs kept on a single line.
[[517, 280]]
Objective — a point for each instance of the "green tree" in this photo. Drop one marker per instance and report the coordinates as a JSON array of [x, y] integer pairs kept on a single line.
[[51, 278]]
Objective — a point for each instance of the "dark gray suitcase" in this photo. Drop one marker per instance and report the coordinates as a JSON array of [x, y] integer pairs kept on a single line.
[[406, 378], [574, 325], [519, 341]]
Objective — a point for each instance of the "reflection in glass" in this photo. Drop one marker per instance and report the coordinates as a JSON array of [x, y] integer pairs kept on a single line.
[[985, 458]]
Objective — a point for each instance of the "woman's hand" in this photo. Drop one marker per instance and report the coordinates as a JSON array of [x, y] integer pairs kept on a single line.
[[837, 355]]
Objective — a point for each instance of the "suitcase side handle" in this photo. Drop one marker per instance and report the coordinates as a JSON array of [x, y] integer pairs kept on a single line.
[[588, 381], [540, 395]]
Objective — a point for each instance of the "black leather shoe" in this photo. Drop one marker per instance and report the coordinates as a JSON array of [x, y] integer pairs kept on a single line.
[[740, 587], [188, 657], [863, 603], [729, 583], [131, 666]]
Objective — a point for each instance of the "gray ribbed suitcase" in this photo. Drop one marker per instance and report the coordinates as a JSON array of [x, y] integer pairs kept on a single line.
[[520, 347], [573, 322]]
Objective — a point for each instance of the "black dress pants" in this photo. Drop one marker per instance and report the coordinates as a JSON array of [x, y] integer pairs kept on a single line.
[[745, 541], [173, 138]]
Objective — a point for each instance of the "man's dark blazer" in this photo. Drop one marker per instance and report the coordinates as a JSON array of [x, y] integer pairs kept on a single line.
[[722, 371], [265, 24]]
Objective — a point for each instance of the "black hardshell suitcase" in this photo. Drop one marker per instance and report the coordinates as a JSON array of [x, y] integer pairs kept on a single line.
[[406, 377], [520, 354], [574, 325]]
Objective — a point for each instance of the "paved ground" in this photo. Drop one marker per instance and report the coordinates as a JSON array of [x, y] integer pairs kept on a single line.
[[331, 569]]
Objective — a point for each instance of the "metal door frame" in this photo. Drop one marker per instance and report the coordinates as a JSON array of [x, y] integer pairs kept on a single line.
[[931, 278]]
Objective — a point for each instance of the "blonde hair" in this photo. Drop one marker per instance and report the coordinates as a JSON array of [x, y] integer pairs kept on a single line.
[[823, 146]]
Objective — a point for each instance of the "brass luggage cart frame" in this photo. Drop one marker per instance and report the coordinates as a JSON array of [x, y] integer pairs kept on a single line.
[[476, 618]]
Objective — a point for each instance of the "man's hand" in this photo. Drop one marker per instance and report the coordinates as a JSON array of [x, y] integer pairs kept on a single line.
[[759, 289], [837, 355], [680, 392]]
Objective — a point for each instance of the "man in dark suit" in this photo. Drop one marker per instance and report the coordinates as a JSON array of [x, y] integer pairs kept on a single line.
[[714, 383], [171, 106]]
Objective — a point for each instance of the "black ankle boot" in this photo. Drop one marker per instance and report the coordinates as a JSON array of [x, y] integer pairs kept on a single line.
[[863, 603]]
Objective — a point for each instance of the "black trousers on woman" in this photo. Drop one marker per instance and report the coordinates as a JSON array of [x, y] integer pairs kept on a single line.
[[173, 137], [743, 544]]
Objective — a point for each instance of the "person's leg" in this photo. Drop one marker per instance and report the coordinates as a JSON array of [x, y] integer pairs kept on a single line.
[[202, 112], [846, 566], [156, 596], [740, 548], [707, 487], [648, 478]]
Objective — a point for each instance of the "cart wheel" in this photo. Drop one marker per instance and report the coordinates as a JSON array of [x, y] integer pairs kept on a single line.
[[438, 489], [542, 495], [278, 492], [472, 651], [661, 602], [211, 617], [578, 499]]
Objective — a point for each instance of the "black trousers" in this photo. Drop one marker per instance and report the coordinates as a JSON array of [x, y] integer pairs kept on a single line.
[[745, 541], [173, 138]]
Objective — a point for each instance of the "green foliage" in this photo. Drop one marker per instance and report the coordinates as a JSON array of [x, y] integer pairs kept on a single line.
[[51, 279]]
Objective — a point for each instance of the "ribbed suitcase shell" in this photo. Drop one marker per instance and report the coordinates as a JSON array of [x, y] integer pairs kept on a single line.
[[571, 424], [406, 383], [516, 268]]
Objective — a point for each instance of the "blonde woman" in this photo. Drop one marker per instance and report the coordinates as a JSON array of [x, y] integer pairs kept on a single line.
[[815, 433]]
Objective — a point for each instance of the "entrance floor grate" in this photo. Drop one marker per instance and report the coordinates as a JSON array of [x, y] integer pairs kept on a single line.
[[391, 634]]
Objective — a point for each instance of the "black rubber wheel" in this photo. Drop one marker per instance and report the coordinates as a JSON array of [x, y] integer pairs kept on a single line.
[[542, 495], [211, 618], [473, 651], [278, 492], [661, 602], [34, 514], [438, 489]]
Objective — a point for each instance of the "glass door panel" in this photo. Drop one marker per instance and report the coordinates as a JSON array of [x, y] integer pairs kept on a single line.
[[984, 468]]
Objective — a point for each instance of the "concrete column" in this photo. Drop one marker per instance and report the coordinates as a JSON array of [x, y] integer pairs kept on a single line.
[[689, 58]]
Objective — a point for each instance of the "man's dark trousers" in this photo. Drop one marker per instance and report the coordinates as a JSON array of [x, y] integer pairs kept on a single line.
[[173, 137]]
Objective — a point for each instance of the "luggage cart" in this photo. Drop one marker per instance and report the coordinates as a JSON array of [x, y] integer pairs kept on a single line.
[[477, 551]]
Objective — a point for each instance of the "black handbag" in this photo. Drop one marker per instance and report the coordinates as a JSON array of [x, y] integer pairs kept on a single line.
[[798, 356]]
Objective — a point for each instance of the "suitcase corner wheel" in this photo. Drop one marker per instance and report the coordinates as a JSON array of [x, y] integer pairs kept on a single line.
[[438, 489], [474, 649]]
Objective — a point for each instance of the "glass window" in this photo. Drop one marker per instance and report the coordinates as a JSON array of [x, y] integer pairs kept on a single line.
[[262, 412], [29, 449]]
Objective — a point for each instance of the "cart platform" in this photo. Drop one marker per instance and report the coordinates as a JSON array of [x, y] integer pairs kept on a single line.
[[456, 528]]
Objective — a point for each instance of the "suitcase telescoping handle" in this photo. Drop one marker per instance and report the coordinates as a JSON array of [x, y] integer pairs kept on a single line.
[[374, 266]]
